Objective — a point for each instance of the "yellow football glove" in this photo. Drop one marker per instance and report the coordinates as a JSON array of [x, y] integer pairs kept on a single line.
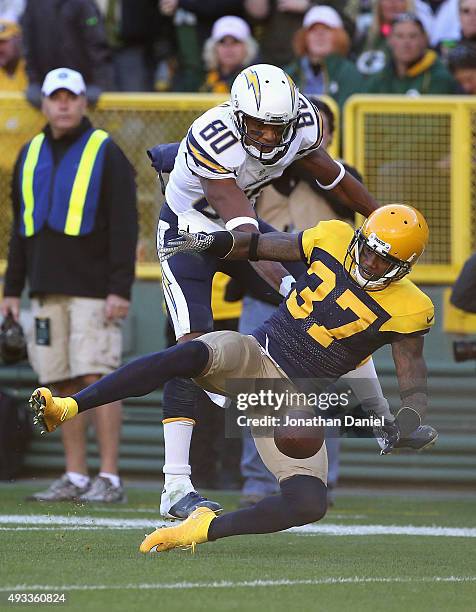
[[50, 412]]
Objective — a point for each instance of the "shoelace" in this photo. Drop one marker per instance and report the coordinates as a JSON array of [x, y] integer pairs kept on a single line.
[[194, 495]]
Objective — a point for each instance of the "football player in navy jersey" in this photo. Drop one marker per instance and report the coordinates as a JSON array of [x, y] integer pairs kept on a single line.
[[353, 299]]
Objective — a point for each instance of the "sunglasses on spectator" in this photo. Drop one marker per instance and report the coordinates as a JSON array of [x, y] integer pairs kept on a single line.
[[408, 18], [228, 39]]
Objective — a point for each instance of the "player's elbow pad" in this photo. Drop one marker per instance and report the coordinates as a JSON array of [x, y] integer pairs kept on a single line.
[[222, 244]]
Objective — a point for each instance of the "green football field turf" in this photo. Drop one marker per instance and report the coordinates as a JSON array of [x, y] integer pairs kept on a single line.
[[91, 554]]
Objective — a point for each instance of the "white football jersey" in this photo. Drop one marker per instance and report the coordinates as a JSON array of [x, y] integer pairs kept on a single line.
[[212, 149]]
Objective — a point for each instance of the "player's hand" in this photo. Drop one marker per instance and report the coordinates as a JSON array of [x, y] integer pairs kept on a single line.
[[185, 242], [287, 284], [388, 435]]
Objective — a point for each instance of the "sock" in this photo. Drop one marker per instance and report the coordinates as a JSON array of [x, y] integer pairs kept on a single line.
[[113, 478], [145, 374], [79, 480], [175, 483], [303, 499], [177, 438]]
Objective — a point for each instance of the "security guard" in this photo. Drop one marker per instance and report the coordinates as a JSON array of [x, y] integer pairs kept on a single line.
[[74, 239]]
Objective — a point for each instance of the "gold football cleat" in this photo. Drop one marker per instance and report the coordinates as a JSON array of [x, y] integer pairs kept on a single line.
[[194, 530], [49, 411]]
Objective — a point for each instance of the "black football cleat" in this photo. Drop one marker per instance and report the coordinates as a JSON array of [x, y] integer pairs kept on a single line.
[[423, 437]]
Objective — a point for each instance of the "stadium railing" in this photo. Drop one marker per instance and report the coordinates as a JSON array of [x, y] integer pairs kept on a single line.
[[421, 151]]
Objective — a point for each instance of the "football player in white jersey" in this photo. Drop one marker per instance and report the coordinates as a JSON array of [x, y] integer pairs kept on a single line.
[[228, 155]]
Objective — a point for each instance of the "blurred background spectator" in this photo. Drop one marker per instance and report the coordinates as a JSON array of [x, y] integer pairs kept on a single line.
[[467, 16], [193, 21], [140, 38], [71, 34], [278, 20], [229, 49], [12, 78], [440, 19], [12, 65], [412, 68], [307, 203], [321, 46], [371, 46], [12, 10], [462, 65]]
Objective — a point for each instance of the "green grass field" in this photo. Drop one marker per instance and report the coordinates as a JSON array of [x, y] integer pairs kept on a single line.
[[91, 553]]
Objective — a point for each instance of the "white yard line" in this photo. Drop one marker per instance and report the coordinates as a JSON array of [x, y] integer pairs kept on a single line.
[[234, 584], [36, 521]]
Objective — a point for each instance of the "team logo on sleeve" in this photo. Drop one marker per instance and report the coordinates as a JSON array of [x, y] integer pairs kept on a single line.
[[253, 83]]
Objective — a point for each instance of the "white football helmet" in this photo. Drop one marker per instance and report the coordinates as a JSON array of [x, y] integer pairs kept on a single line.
[[267, 94]]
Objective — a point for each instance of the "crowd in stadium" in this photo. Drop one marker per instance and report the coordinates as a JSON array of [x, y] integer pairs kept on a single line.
[[338, 48]]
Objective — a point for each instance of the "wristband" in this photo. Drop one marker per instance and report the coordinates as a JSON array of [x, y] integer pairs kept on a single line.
[[253, 250], [222, 244], [336, 181], [411, 390], [237, 221]]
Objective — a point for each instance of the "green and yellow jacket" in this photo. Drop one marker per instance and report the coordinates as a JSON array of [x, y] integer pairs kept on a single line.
[[427, 76]]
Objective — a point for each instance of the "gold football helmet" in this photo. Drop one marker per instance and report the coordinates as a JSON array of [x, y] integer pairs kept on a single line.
[[398, 234]]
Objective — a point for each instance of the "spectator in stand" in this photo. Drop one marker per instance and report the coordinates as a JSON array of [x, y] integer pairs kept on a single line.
[[13, 133], [12, 10], [229, 49], [138, 35], [69, 33], [462, 65], [413, 68], [193, 21], [440, 18], [373, 51], [321, 46], [12, 65], [467, 15], [280, 20], [467, 22]]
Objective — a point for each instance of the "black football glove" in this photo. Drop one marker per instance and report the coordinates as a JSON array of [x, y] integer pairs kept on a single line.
[[216, 243], [388, 435], [412, 434]]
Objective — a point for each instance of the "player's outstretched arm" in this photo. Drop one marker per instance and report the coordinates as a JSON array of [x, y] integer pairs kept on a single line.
[[331, 175], [412, 380], [411, 373], [272, 246]]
